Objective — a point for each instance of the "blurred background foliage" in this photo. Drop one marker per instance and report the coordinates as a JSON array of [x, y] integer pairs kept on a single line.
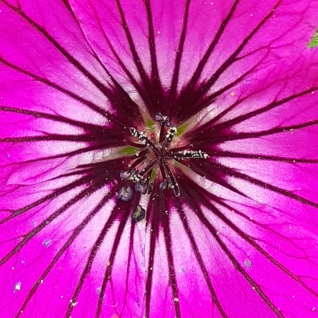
[[314, 40]]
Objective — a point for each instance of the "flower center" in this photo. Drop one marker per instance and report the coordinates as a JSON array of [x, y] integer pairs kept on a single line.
[[155, 160]]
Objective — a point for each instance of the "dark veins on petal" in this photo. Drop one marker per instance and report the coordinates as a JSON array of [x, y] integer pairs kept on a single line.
[[154, 161]]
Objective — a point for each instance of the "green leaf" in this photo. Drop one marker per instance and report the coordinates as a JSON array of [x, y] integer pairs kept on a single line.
[[314, 40]]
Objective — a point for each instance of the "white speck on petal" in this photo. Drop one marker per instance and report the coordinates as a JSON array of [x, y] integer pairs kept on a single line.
[[17, 286]]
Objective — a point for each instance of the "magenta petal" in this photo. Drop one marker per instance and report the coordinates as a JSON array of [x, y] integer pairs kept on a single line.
[[230, 226], [275, 29]]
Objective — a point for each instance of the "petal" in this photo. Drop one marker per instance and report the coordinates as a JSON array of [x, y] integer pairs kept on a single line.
[[242, 239], [258, 140], [144, 44]]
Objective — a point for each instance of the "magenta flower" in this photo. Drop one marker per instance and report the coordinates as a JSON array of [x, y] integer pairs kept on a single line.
[[158, 158]]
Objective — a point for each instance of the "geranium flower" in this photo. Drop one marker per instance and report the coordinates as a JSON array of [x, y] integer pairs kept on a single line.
[[158, 158]]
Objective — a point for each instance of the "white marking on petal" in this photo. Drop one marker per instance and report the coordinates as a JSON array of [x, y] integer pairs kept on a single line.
[[17, 286]]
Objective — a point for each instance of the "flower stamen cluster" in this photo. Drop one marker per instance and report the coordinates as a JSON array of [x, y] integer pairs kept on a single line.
[[157, 154]]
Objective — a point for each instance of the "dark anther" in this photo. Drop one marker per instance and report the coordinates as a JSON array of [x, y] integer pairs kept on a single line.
[[141, 187], [125, 193], [124, 175], [138, 214], [162, 119]]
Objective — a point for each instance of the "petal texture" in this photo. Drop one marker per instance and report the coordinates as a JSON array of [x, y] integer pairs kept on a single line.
[[238, 81]]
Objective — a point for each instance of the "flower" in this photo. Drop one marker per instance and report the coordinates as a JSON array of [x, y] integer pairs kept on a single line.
[[158, 158]]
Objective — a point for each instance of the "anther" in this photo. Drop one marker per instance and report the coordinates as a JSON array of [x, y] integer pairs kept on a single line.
[[124, 175], [138, 214], [164, 185], [125, 193], [162, 119], [171, 178], [141, 187]]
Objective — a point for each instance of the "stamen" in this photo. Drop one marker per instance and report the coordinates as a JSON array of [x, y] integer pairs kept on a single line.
[[164, 185], [171, 179], [124, 175], [169, 136], [159, 157], [141, 187], [138, 214], [141, 136], [132, 175], [125, 193], [162, 119], [189, 154], [138, 134], [136, 176], [150, 166]]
